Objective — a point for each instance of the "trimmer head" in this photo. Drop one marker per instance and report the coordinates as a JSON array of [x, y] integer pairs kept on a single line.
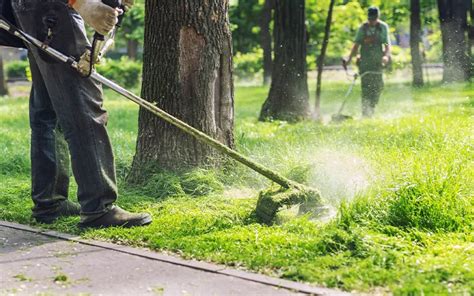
[[337, 118], [271, 201]]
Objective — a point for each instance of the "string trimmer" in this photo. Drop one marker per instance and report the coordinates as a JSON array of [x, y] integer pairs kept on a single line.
[[339, 117], [269, 202]]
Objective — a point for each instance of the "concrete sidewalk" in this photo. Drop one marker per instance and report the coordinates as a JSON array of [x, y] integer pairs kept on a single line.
[[36, 262]]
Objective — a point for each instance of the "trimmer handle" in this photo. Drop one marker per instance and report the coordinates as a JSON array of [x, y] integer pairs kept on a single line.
[[113, 4]]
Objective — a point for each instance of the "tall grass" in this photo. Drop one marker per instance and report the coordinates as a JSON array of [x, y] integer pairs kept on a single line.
[[402, 183]]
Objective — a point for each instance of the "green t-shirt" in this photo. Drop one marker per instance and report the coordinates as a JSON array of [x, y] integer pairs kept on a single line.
[[368, 31], [371, 40]]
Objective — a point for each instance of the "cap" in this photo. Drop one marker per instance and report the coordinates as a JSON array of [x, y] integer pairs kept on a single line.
[[373, 13]]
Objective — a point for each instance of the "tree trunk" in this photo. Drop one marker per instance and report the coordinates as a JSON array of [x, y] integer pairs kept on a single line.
[[453, 19], [187, 72], [321, 58], [3, 81], [266, 40], [288, 98], [132, 49], [471, 40], [415, 38]]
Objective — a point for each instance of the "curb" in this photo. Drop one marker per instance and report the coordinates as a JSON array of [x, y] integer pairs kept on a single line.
[[198, 265]]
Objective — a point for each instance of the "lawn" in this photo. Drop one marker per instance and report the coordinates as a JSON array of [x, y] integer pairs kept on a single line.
[[401, 185]]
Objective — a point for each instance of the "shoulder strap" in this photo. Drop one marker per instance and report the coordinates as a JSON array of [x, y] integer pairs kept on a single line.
[[365, 26], [379, 26]]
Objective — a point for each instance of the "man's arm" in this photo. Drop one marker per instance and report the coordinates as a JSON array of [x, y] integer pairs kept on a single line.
[[387, 46], [387, 54], [354, 52], [355, 48]]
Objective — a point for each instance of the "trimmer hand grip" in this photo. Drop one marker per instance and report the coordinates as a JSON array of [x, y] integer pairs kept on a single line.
[[116, 4], [113, 4]]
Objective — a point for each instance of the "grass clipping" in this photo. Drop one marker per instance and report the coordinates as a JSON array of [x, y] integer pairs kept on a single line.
[[271, 201]]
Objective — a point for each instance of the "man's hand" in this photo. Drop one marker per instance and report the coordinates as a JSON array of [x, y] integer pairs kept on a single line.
[[99, 16], [346, 61], [385, 60]]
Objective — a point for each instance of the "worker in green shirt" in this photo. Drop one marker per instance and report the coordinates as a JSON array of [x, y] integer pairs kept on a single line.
[[374, 43]]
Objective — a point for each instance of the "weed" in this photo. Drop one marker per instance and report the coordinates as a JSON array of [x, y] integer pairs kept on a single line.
[[61, 278], [23, 278]]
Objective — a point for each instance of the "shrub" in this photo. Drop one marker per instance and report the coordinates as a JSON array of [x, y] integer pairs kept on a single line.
[[248, 65], [17, 69], [124, 71], [401, 58]]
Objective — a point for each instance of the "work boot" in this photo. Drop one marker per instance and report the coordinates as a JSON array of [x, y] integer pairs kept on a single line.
[[116, 216], [65, 208], [368, 111]]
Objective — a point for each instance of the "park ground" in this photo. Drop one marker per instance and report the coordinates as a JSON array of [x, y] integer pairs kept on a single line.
[[401, 185]]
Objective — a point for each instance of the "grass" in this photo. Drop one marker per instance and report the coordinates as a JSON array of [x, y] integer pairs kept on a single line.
[[402, 184]]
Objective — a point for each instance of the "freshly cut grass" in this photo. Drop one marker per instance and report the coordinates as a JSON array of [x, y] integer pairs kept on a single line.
[[402, 183]]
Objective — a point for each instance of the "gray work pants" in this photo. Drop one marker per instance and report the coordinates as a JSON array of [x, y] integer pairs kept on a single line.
[[61, 96], [372, 87]]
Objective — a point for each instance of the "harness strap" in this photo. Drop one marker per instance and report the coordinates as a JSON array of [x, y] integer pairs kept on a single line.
[[366, 27]]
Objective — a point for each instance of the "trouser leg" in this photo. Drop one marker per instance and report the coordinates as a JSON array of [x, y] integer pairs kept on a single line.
[[49, 154], [372, 86], [77, 103]]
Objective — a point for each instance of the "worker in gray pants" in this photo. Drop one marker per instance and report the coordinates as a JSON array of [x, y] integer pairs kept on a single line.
[[61, 96]]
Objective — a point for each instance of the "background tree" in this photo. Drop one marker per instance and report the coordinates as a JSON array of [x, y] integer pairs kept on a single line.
[[342, 32], [3, 80], [415, 38], [133, 25], [245, 25], [321, 58], [187, 72], [453, 19], [288, 97], [266, 40], [471, 39]]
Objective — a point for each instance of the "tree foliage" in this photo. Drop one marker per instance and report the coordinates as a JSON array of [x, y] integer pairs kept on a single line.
[[348, 16], [132, 29], [244, 17], [133, 24]]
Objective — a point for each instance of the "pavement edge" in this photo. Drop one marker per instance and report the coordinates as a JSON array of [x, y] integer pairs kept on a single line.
[[198, 265]]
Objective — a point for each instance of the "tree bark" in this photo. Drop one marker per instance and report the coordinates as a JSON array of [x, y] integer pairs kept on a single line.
[[3, 81], [415, 38], [266, 40], [188, 73], [288, 98], [322, 57], [453, 19], [132, 49], [471, 39]]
